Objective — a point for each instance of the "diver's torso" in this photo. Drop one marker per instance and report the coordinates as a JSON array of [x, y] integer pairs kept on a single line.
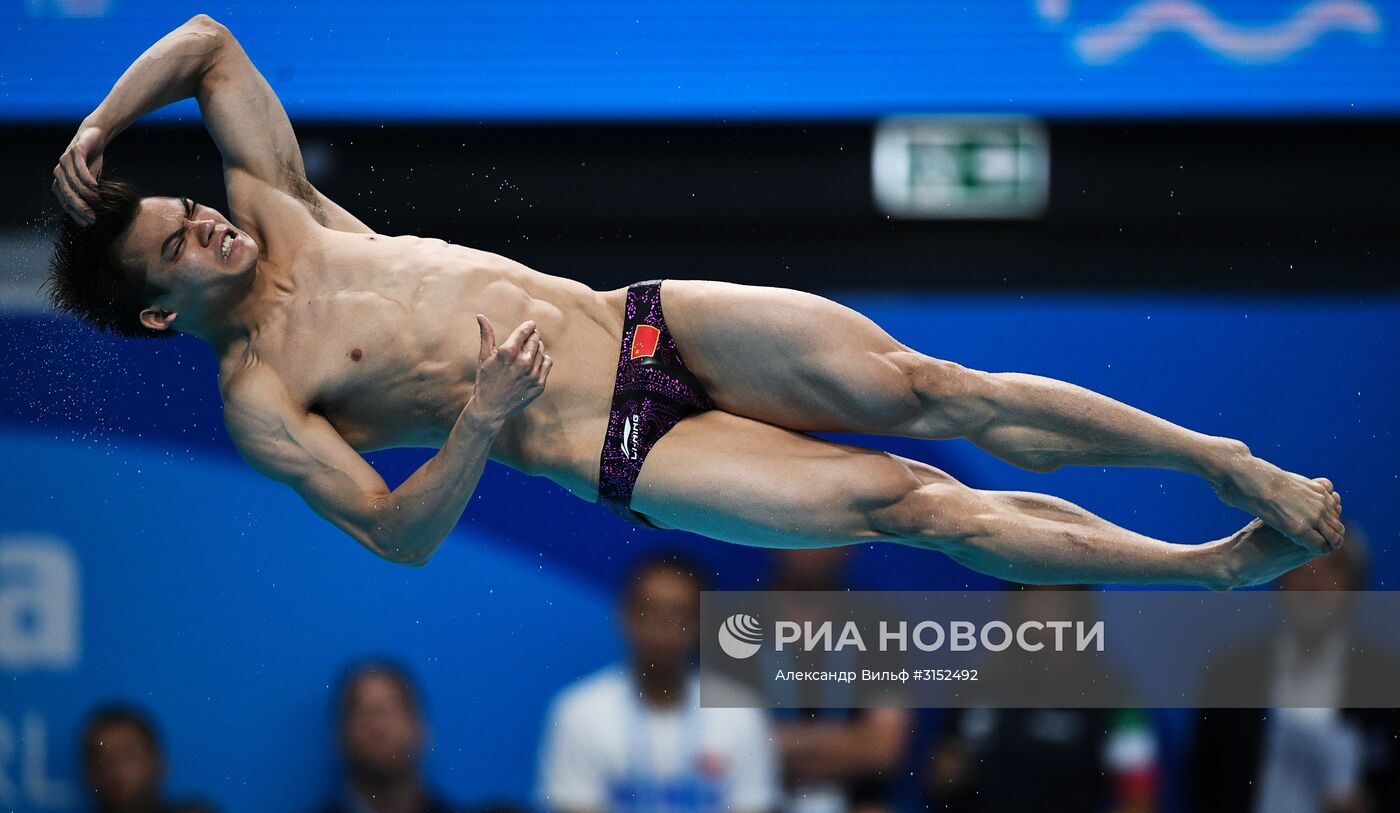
[[378, 335]]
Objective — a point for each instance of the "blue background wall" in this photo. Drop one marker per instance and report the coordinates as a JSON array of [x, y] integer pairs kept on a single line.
[[222, 603], [736, 59]]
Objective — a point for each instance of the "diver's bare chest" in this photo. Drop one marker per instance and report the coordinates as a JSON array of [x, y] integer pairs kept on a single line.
[[374, 374]]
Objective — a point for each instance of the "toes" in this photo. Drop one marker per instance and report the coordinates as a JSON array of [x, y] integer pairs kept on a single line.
[[1324, 482], [1314, 541], [1332, 533]]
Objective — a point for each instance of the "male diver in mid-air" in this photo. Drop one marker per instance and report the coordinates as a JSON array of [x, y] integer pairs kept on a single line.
[[333, 340]]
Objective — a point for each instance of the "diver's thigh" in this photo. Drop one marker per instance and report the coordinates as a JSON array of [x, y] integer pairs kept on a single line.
[[740, 480], [790, 358]]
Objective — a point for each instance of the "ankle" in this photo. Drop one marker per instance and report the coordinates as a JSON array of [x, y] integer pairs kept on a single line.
[[1208, 565], [1222, 459]]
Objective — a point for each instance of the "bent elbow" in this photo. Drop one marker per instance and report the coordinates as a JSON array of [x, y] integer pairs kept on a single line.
[[395, 550], [386, 532], [416, 559], [398, 549], [204, 24], [209, 41]]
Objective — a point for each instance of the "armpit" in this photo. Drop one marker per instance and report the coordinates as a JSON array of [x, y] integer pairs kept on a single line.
[[300, 188]]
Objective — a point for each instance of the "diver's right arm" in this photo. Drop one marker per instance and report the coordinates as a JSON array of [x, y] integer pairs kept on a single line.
[[168, 71], [408, 523], [242, 113]]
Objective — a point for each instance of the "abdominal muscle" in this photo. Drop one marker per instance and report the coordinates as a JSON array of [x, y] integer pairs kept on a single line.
[[408, 306], [560, 434]]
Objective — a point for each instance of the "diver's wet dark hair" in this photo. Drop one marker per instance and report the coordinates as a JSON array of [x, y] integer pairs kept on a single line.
[[85, 277]]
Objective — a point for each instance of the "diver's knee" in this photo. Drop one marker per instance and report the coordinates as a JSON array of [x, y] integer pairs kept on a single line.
[[951, 399], [944, 511]]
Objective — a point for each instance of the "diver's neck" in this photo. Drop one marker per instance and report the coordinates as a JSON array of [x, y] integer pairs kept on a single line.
[[238, 315]]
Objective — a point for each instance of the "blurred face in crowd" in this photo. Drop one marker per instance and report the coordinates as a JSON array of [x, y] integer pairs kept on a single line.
[[660, 616], [1314, 597], [1050, 602], [123, 768], [813, 569], [381, 733], [1047, 602], [1335, 571]]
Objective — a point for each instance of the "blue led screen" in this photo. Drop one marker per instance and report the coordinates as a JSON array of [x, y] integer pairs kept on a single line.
[[750, 60]]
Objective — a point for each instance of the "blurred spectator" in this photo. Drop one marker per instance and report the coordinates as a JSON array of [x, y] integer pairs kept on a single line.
[[1009, 759], [835, 759], [1325, 757], [991, 760], [124, 764], [633, 737], [382, 739]]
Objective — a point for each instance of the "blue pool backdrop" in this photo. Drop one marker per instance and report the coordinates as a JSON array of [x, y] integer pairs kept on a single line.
[[140, 558], [737, 59]]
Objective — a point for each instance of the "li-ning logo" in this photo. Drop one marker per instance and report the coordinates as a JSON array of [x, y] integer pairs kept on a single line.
[[740, 636], [629, 434]]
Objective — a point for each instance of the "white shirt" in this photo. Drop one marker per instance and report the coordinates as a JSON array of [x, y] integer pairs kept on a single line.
[[1312, 754], [1304, 680], [604, 750]]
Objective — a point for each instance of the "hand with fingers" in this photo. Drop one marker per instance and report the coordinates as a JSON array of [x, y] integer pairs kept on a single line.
[[510, 376], [75, 175]]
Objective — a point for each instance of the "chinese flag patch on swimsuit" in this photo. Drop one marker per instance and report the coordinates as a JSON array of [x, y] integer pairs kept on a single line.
[[644, 340]]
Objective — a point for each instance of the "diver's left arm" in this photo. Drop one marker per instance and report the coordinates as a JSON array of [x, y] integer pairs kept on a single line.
[[200, 59]]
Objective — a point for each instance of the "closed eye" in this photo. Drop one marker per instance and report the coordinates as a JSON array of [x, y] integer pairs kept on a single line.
[[177, 239]]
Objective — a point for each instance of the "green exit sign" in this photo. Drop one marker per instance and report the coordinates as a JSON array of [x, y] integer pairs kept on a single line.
[[961, 167]]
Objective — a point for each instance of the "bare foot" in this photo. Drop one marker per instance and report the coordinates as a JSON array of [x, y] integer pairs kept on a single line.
[[1256, 554], [1309, 512]]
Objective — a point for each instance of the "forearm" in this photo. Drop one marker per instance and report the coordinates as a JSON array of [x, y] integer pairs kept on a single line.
[[1042, 423], [170, 70], [415, 518]]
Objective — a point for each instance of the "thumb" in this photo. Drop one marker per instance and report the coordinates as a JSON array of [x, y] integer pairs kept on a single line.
[[488, 337]]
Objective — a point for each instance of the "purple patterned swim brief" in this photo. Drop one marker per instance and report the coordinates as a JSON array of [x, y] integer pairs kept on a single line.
[[652, 393]]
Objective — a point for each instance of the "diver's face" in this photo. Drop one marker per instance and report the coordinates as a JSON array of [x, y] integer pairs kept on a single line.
[[186, 249]]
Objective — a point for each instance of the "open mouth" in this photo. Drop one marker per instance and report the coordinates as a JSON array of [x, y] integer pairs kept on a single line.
[[226, 245]]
